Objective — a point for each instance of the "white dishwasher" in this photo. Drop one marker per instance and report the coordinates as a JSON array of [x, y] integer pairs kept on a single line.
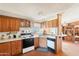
[[51, 44]]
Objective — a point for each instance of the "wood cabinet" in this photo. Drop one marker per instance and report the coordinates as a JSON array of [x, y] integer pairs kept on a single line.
[[16, 47], [8, 24], [68, 38], [49, 24], [5, 49], [69, 31], [43, 42], [14, 25], [54, 23], [11, 48], [25, 23], [36, 42], [17, 25], [0, 25], [76, 31], [4, 24]]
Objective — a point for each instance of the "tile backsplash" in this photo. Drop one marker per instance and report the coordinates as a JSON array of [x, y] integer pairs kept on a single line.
[[8, 35]]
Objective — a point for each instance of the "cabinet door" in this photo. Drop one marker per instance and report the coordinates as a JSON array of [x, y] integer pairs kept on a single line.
[[36, 42], [4, 28], [54, 23], [0, 25], [9, 24], [49, 24], [28, 23], [17, 22], [16, 47], [43, 42], [13, 45], [5, 49], [19, 47], [5, 24], [12, 24]]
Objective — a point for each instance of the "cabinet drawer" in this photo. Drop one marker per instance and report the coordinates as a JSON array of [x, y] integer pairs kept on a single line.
[[16, 47]]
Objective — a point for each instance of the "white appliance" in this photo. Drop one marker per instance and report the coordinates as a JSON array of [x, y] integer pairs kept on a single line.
[[28, 39], [51, 44], [28, 44]]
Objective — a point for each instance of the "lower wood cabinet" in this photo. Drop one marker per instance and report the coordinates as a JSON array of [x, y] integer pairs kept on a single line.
[[43, 42], [5, 49], [36, 42], [11, 48], [16, 47], [68, 38]]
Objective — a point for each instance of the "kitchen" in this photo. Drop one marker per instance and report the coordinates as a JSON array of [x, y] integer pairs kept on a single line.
[[38, 30], [17, 37]]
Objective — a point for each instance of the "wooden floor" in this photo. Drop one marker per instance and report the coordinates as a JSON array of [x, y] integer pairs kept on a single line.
[[37, 53], [68, 49]]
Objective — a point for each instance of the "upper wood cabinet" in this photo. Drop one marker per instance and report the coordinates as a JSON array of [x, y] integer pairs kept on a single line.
[[54, 23], [4, 24], [17, 24], [49, 24], [8, 24], [0, 25], [25, 23], [14, 24]]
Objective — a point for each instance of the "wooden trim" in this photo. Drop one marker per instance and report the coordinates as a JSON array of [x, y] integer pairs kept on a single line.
[[58, 43]]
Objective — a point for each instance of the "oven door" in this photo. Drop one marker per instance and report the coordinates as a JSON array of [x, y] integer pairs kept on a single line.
[[28, 42]]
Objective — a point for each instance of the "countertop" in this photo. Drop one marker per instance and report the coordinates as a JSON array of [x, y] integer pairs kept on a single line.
[[14, 39], [48, 36], [76, 36], [8, 40]]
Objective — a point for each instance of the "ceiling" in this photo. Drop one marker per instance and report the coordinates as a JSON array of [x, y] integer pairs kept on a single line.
[[34, 11]]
